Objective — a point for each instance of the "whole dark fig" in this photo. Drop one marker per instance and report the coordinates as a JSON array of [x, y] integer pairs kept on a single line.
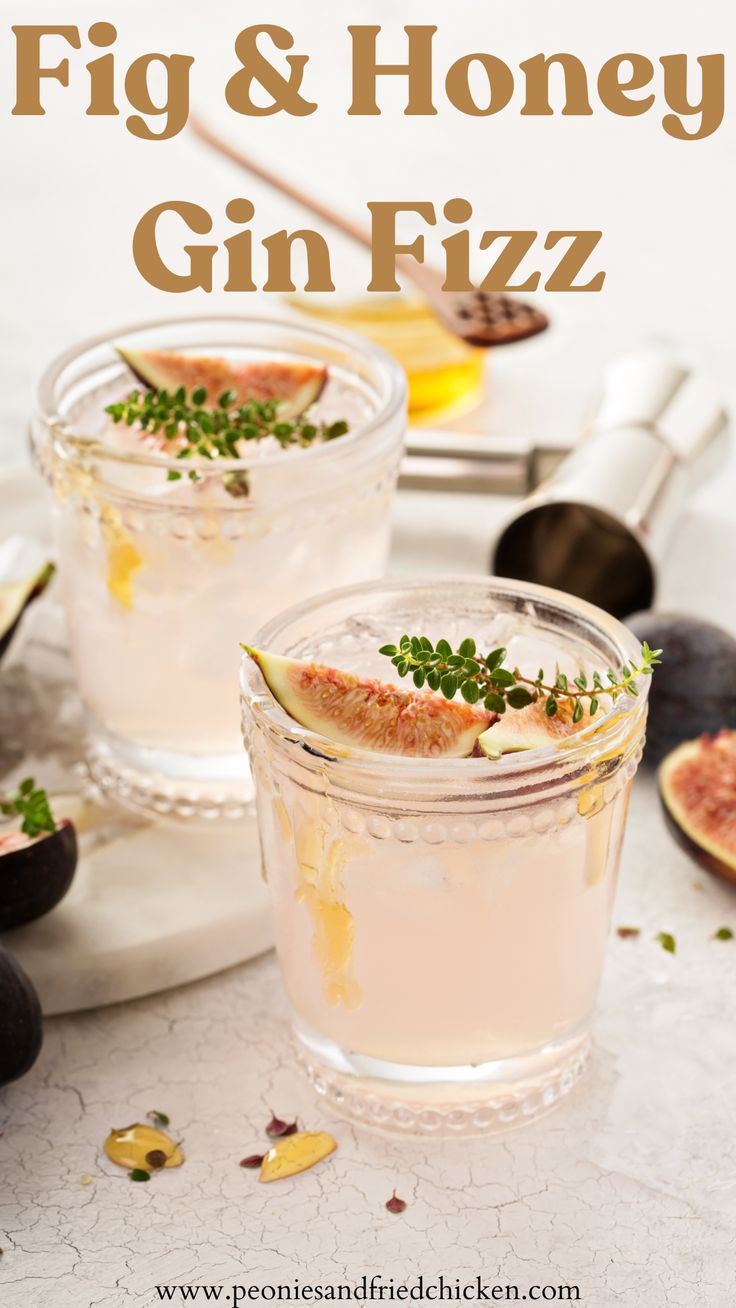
[[21, 1026], [694, 690]]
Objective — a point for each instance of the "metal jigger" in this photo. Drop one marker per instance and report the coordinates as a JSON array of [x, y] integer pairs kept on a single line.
[[598, 528]]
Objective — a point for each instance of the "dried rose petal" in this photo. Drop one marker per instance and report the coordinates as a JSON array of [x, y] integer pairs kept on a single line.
[[253, 1160], [628, 933], [277, 1128], [394, 1204]]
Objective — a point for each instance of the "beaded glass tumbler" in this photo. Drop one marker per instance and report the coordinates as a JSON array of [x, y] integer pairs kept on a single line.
[[441, 924], [163, 577]]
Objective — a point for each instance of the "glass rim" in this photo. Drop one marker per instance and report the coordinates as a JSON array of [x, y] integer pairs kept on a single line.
[[393, 401], [319, 751]]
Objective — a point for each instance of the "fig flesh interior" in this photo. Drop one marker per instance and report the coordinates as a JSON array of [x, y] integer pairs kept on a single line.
[[698, 788], [370, 714], [295, 386]]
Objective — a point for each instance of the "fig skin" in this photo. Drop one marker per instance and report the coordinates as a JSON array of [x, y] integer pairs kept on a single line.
[[717, 861], [39, 586], [694, 691], [21, 1022], [7, 635], [35, 878], [709, 863]]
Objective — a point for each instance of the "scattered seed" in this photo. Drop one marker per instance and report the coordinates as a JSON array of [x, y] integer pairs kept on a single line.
[[160, 1119], [138, 1174], [628, 933], [156, 1158], [85, 1179], [253, 1160], [394, 1204], [277, 1128], [723, 933], [666, 941]]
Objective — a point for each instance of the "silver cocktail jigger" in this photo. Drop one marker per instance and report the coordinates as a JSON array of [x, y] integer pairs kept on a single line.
[[599, 526]]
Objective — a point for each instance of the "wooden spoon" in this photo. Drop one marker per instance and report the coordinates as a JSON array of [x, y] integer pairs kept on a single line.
[[477, 317]]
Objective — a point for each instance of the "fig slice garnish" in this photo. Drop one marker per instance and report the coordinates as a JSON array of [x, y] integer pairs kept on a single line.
[[368, 714], [294, 386]]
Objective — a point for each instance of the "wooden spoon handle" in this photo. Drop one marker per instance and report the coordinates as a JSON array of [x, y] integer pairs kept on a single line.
[[343, 224]]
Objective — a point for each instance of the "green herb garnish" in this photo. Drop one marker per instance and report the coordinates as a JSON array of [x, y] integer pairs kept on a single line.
[[159, 1118], [33, 806], [139, 1174], [723, 933], [666, 941], [215, 431], [485, 677]]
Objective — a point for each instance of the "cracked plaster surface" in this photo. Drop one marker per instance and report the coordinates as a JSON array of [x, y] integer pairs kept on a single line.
[[628, 1190]]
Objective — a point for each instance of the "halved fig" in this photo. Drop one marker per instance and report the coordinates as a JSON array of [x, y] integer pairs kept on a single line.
[[35, 873], [697, 783], [530, 728], [295, 386], [369, 714], [21, 1025], [14, 600]]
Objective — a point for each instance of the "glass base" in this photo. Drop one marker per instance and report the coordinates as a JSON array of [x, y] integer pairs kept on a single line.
[[161, 784], [487, 1099]]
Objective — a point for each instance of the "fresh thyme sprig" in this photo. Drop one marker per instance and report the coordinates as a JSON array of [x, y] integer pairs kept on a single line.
[[485, 677], [215, 431], [32, 805]]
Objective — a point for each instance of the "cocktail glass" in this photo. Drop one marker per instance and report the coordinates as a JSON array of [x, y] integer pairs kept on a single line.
[[161, 577], [441, 924]]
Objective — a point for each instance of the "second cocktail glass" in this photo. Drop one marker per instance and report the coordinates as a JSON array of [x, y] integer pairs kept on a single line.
[[161, 575], [441, 923]]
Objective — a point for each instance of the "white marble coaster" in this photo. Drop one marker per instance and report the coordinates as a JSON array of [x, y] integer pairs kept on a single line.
[[152, 905]]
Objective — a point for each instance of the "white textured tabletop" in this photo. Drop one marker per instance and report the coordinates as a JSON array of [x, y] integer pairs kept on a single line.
[[628, 1191]]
